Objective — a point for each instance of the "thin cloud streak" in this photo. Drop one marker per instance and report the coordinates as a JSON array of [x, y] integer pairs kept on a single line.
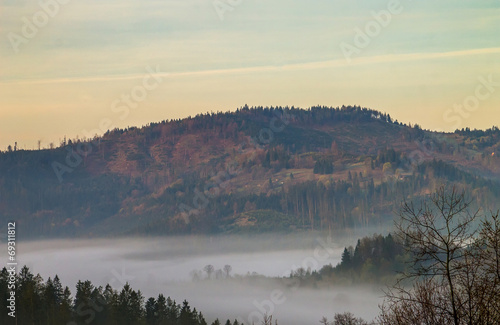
[[337, 63]]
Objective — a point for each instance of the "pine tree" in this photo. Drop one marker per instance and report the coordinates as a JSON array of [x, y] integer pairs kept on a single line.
[[151, 312], [173, 310], [201, 319], [4, 295], [29, 301], [186, 316], [51, 299], [346, 259], [162, 310], [65, 307], [130, 302]]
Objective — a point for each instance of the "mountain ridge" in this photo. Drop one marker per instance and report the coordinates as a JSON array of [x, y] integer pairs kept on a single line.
[[217, 172]]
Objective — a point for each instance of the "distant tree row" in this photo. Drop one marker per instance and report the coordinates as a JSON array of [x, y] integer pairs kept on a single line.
[[375, 259], [212, 273], [228, 124]]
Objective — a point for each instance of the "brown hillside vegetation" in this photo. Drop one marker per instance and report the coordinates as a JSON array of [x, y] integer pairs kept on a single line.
[[322, 167]]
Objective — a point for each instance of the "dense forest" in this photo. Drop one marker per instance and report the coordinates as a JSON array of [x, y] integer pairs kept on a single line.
[[251, 170], [374, 260], [39, 302]]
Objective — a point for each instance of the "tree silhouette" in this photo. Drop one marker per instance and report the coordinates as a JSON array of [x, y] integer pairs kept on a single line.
[[209, 269], [451, 264], [227, 270]]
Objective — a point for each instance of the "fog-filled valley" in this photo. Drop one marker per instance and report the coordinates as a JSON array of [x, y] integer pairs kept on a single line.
[[230, 162], [249, 290]]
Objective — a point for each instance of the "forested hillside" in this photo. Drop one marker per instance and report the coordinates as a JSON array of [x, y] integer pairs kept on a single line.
[[252, 170]]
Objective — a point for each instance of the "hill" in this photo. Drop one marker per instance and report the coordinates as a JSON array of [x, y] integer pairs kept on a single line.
[[255, 169]]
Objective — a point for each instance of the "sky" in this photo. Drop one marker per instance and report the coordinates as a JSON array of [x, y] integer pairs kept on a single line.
[[73, 68]]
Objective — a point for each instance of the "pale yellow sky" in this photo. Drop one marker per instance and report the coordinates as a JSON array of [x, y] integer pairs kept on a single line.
[[70, 78]]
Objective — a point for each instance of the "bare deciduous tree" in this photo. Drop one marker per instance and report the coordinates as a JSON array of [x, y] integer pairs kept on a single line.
[[348, 318], [227, 270], [209, 269], [453, 264]]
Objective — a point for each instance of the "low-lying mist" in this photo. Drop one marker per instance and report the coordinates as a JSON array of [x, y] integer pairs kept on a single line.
[[167, 265]]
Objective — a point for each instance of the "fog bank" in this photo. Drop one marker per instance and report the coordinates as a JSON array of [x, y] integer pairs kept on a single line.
[[165, 265]]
